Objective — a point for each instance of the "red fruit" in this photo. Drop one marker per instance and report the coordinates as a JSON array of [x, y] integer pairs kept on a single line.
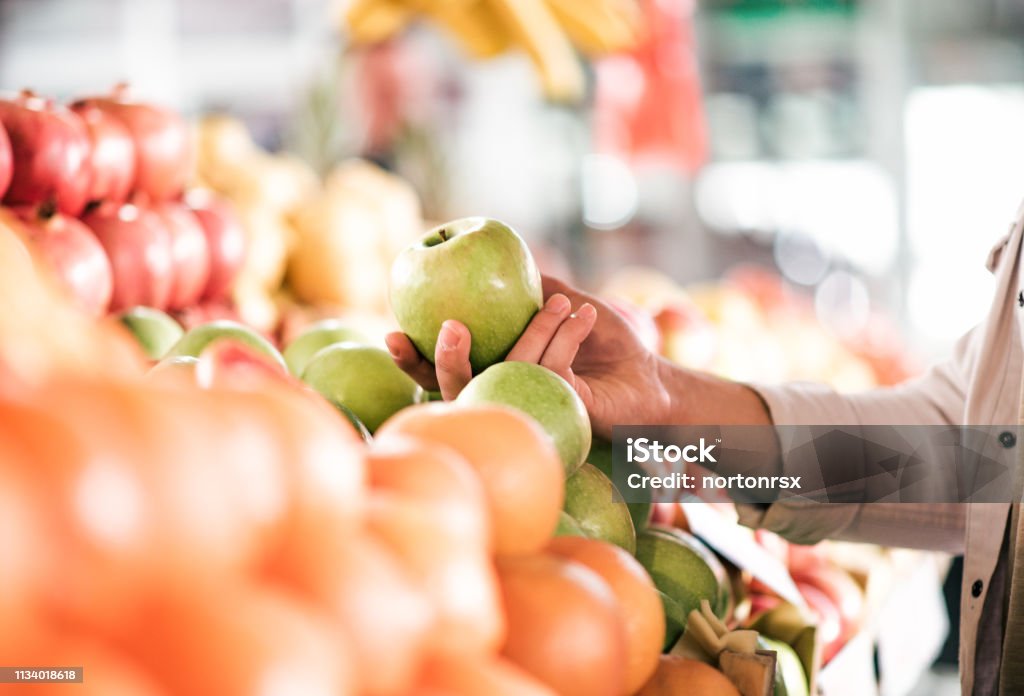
[[841, 589], [190, 253], [225, 238], [76, 257], [139, 247], [112, 159], [6, 161], [163, 149], [50, 151]]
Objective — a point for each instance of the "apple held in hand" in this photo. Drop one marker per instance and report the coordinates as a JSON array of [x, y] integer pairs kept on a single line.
[[475, 270], [362, 380], [544, 396]]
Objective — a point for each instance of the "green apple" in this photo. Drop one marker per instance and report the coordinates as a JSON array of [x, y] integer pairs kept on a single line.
[[601, 457], [544, 396], [155, 331], [362, 379], [197, 338], [590, 499], [790, 679], [684, 571], [316, 337], [475, 270], [568, 526]]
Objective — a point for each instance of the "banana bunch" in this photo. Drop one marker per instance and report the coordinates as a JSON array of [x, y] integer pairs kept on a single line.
[[548, 30]]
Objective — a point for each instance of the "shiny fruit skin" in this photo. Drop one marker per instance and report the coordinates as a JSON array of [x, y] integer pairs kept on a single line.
[[475, 270], [190, 254], [163, 146], [6, 161], [138, 245], [76, 257], [636, 594], [544, 396], [565, 626], [50, 148], [518, 464], [112, 155], [364, 380], [225, 239], [435, 475]]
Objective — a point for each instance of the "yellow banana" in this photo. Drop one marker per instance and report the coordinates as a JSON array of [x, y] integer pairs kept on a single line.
[[372, 21], [595, 27], [536, 29], [473, 23]]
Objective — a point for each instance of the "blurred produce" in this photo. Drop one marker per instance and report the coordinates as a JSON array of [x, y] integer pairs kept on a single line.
[[547, 30], [661, 116], [50, 149], [348, 235], [712, 327]]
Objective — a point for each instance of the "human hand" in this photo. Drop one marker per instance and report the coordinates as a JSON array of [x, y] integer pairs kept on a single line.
[[593, 348]]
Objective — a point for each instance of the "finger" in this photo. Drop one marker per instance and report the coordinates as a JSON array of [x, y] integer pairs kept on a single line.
[[562, 349], [451, 358], [541, 329], [405, 355]]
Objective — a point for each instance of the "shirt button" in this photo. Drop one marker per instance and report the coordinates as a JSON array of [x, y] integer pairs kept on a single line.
[[976, 588], [1007, 439]]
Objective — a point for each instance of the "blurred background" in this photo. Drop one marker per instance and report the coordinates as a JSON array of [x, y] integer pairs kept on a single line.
[[864, 150]]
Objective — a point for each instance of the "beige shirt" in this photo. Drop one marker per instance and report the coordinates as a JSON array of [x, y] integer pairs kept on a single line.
[[979, 385]]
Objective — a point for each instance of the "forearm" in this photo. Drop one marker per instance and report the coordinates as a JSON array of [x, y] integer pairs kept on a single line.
[[698, 398]]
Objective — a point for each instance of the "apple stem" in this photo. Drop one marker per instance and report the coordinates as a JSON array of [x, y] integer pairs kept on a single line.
[[47, 209], [442, 233]]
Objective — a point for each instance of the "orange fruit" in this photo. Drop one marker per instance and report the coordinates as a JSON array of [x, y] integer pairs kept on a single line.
[[457, 576], [232, 637], [520, 469], [636, 594], [385, 616], [679, 676], [565, 625], [494, 676], [435, 475]]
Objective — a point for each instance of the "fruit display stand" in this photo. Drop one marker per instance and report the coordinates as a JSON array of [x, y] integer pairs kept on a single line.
[[220, 457]]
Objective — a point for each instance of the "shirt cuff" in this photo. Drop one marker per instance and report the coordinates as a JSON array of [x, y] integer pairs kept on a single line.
[[802, 521]]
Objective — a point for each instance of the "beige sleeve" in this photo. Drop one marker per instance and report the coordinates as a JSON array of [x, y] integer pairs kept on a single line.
[[937, 398]]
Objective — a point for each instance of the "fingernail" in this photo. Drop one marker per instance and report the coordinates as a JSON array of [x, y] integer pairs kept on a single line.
[[449, 338], [557, 304], [587, 311], [391, 347]]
